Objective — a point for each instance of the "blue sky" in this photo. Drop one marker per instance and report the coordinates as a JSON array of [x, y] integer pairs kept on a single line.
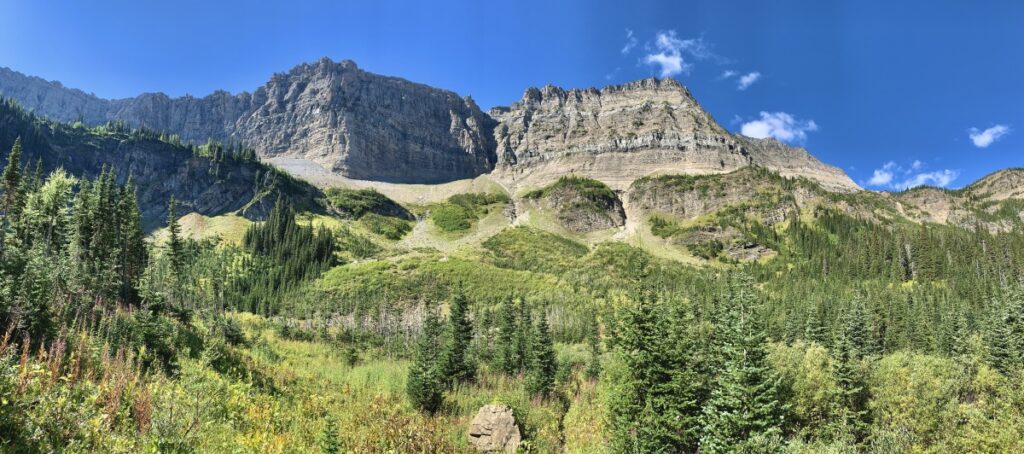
[[895, 93]]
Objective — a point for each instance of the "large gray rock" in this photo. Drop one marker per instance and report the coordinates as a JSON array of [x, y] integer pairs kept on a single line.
[[494, 429]]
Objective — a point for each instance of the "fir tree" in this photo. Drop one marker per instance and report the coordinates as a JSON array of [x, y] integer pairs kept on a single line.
[[508, 353], [11, 180], [175, 245], [425, 385], [457, 364], [542, 362], [329, 443], [745, 405]]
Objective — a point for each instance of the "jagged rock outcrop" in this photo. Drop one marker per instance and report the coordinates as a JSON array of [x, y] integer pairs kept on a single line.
[[494, 429], [621, 133], [355, 123], [581, 205]]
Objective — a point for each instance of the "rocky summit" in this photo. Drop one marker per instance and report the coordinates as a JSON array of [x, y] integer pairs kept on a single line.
[[365, 126], [624, 132]]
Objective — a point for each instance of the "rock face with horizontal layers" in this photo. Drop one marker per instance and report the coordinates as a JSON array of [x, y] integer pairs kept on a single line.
[[358, 124], [494, 429], [365, 126], [624, 132]]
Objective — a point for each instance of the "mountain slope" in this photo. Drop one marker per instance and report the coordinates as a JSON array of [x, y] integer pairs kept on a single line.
[[358, 124], [204, 184]]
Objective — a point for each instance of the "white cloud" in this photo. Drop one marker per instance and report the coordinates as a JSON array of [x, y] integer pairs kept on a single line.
[[779, 125], [940, 178], [631, 42], [885, 177], [747, 80], [728, 73], [985, 138], [669, 53]]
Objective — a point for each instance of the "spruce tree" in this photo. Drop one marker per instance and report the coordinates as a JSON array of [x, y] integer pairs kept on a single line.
[[425, 385], [543, 366], [329, 443], [508, 354], [11, 180], [457, 364], [175, 246], [745, 405]]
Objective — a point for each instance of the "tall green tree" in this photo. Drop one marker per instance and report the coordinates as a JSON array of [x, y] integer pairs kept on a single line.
[[425, 386], [543, 366], [175, 248], [745, 407], [458, 366], [508, 332]]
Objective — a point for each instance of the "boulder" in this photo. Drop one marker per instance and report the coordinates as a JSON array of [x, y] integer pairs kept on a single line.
[[494, 429]]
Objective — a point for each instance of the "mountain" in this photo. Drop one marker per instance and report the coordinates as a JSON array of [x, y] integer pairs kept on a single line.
[[364, 126], [357, 124], [200, 179], [624, 132]]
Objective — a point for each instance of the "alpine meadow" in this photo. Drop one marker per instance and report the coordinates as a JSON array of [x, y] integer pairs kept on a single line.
[[343, 261]]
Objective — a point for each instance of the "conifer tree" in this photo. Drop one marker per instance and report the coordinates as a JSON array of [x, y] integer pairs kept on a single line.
[[508, 353], [11, 180], [175, 246], [457, 364], [745, 404], [329, 443], [425, 385], [542, 362]]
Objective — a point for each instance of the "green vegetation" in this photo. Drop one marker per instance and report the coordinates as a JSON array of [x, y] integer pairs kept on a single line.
[[529, 249], [460, 211], [388, 227], [859, 336], [356, 203], [588, 194]]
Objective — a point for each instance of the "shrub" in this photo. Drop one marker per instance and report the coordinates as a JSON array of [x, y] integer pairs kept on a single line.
[[387, 227]]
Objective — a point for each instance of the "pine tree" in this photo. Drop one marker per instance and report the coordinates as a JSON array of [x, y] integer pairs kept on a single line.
[[11, 180], [175, 246], [745, 405], [425, 385], [542, 362], [851, 413], [658, 388], [457, 364], [523, 336], [329, 443], [508, 354]]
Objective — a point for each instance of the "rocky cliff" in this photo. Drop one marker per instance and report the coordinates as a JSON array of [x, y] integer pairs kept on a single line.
[[624, 132], [159, 169], [358, 124], [365, 126]]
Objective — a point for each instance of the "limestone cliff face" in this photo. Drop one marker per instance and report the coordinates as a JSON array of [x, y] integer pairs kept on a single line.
[[365, 126], [621, 133], [355, 123]]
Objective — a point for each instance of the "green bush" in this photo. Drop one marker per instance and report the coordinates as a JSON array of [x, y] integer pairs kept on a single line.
[[452, 218], [524, 248], [387, 227], [356, 203]]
